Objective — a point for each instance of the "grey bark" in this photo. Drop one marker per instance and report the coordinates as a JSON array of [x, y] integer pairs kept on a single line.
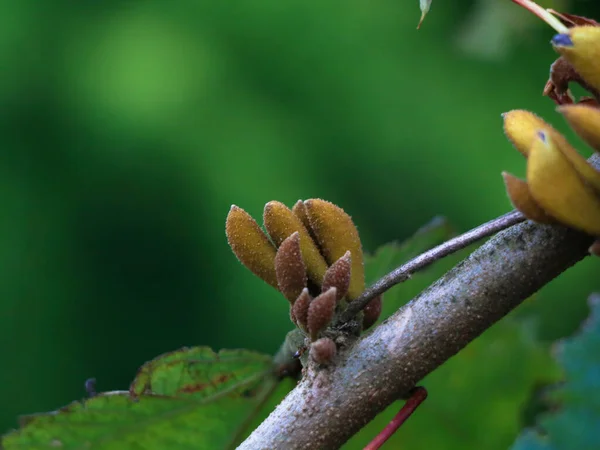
[[330, 405]]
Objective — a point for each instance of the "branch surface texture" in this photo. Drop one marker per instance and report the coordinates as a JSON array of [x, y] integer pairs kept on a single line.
[[330, 405], [405, 271]]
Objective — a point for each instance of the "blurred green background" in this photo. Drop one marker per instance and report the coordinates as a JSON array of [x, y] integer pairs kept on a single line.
[[128, 128]]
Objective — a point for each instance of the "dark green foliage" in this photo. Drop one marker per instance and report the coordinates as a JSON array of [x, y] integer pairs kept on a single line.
[[127, 129], [574, 420]]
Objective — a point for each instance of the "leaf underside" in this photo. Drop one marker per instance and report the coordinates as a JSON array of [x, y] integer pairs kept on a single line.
[[191, 398]]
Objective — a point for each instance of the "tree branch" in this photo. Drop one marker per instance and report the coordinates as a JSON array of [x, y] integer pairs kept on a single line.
[[331, 404], [453, 245]]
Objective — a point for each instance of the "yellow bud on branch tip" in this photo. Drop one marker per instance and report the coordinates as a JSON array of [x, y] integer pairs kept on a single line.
[[559, 190], [250, 244], [337, 234]]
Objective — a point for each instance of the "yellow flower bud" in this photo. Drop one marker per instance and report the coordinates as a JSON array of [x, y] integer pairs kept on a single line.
[[521, 126], [300, 211], [581, 47], [558, 188], [585, 121], [281, 223], [250, 244], [337, 234]]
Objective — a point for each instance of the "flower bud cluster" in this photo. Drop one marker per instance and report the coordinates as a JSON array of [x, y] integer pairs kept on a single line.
[[311, 253], [561, 186]]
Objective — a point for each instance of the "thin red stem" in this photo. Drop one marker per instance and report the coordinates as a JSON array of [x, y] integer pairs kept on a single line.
[[543, 14], [417, 397]]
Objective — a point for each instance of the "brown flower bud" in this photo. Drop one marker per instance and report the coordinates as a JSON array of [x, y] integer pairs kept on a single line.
[[320, 312], [250, 244], [372, 312], [562, 74], [290, 269], [521, 198], [292, 316], [323, 350], [300, 308], [337, 234], [557, 87], [595, 248], [280, 223], [338, 276]]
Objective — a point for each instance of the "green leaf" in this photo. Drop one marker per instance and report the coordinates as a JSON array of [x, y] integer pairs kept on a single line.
[[192, 398], [201, 373], [576, 424]]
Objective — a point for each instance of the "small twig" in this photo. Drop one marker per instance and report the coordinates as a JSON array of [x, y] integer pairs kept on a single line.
[[417, 397], [405, 271], [90, 387]]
